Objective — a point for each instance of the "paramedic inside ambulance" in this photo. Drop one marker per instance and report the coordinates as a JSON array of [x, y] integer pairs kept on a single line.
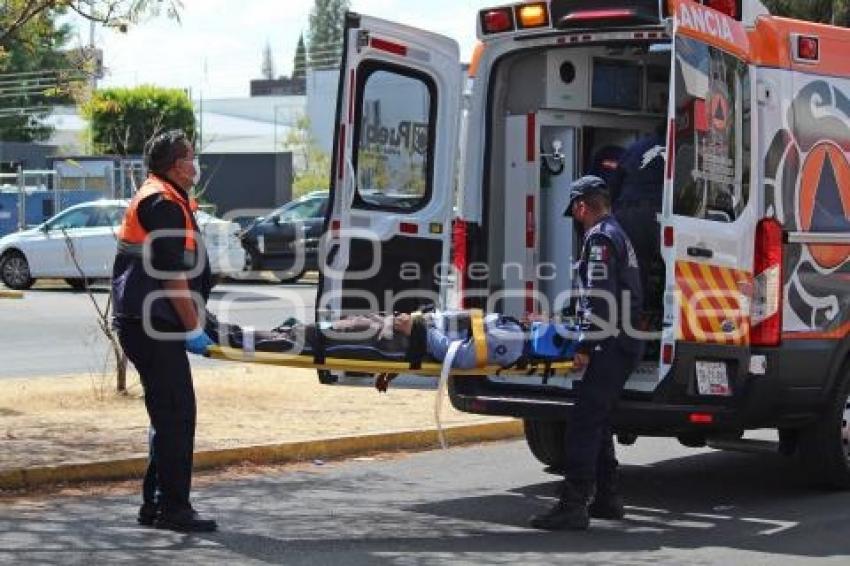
[[608, 295], [637, 188]]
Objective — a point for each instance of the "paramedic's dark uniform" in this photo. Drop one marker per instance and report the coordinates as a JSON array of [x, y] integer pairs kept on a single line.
[[163, 365], [636, 194], [607, 264]]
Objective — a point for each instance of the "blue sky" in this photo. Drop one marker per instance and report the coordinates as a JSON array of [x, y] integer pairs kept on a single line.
[[217, 49]]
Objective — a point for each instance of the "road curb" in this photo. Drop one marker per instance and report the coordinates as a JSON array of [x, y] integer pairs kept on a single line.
[[325, 449], [5, 294]]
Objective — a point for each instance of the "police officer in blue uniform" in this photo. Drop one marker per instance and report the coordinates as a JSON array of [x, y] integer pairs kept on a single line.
[[636, 193], [608, 275], [160, 254]]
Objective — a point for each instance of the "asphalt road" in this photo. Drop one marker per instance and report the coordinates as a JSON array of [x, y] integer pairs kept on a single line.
[[466, 505], [54, 330]]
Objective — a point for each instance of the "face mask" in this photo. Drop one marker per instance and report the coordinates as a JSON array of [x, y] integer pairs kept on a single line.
[[197, 178]]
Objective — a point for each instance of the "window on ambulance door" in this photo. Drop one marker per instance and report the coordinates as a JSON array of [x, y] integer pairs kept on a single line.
[[713, 113], [397, 110]]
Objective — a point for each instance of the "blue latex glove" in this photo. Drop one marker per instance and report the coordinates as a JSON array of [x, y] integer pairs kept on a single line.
[[198, 343]]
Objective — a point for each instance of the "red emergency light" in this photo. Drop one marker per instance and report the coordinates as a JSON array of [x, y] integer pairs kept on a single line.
[[728, 7], [498, 20], [808, 48], [585, 14]]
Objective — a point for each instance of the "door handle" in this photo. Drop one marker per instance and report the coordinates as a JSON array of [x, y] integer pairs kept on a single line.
[[704, 253]]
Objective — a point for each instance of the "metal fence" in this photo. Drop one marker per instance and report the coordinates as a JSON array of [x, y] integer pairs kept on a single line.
[[29, 197]]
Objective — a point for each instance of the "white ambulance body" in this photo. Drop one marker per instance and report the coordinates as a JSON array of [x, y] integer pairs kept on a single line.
[[450, 190]]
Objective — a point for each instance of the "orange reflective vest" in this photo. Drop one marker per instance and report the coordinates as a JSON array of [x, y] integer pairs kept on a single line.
[[132, 236]]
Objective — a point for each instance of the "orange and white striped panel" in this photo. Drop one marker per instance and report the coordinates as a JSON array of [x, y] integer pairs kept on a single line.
[[714, 303]]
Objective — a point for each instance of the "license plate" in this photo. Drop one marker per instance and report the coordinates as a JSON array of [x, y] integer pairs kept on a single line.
[[712, 379]]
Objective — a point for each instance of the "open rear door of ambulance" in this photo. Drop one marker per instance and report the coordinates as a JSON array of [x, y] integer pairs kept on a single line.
[[708, 218], [388, 233]]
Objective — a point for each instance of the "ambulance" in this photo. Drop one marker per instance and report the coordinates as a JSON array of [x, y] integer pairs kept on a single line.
[[450, 184]]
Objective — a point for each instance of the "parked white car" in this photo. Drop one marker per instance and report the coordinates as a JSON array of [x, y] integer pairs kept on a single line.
[[42, 252]]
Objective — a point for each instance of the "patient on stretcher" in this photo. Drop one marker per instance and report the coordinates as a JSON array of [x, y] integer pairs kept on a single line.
[[403, 337]]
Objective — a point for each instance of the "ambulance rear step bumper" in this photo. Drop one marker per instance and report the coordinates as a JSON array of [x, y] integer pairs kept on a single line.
[[644, 418]]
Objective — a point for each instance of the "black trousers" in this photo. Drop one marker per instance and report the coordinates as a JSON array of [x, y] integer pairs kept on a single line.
[[590, 452], [166, 377], [638, 219]]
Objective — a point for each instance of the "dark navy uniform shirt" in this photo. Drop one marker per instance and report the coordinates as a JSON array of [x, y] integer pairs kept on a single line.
[[608, 276], [640, 174]]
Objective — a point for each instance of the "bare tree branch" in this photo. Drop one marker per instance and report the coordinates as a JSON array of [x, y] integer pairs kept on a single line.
[[103, 316], [118, 13]]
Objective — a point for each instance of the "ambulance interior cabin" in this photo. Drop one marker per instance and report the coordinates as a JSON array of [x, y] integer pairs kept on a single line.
[[583, 105]]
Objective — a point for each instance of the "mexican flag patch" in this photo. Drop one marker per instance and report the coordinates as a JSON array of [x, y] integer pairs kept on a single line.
[[598, 253]]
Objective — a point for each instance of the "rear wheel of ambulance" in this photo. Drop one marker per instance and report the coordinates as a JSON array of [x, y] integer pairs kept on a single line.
[[546, 441], [824, 447]]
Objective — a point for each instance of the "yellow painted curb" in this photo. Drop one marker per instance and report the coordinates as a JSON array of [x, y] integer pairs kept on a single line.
[[6, 294], [330, 448]]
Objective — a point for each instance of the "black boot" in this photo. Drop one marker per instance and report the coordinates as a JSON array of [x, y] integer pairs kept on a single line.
[[148, 513], [571, 510], [607, 505], [184, 521]]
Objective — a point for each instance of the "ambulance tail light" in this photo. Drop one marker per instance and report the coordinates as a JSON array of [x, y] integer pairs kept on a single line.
[[766, 311], [498, 20], [460, 256]]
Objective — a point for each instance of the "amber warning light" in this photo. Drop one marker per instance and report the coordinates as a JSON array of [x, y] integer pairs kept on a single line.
[[532, 16]]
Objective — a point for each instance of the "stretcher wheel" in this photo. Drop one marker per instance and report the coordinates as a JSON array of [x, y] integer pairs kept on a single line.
[[326, 377]]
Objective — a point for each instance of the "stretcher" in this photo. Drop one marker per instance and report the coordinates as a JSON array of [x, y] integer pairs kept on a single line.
[[378, 366]]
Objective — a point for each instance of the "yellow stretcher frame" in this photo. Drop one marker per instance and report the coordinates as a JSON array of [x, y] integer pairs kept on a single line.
[[374, 366]]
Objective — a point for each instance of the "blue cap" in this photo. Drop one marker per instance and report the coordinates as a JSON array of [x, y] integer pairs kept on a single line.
[[587, 185]]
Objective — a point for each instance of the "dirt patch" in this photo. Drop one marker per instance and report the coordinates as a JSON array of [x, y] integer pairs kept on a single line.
[[63, 420]]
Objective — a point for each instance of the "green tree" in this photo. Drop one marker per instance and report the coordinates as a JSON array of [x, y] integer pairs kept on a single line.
[[327, 23], [123, 119], [299, 66], [34, 75], [824, 11], [311, 164], [268, 62]]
